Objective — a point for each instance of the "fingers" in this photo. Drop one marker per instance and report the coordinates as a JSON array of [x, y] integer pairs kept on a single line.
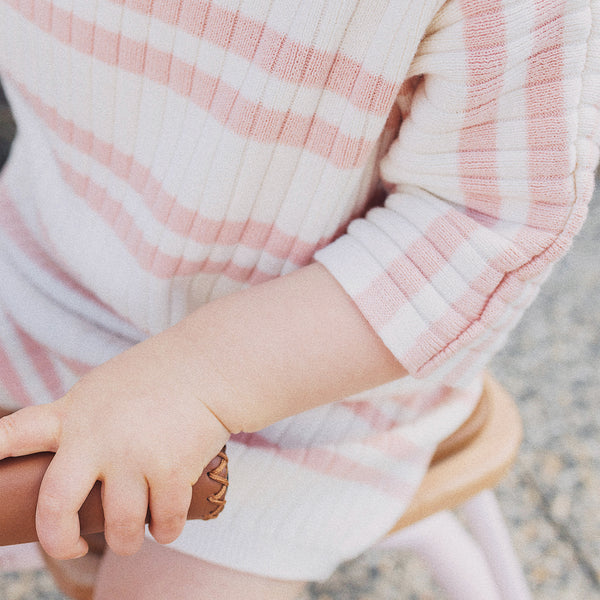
[[65, 487], [169, 505], [66, 484], [125, 502], [29, 430]]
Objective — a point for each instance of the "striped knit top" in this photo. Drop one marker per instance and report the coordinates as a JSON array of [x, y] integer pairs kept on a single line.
[[195, 147], [435, 156]]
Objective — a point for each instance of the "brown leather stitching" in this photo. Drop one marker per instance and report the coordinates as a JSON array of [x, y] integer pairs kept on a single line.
[[220, 475]]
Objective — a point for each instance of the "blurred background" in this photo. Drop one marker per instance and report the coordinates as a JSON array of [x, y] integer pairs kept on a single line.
[[551, 365]]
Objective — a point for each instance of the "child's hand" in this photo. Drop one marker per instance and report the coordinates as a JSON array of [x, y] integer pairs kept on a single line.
[[136, 423], [147, 422]]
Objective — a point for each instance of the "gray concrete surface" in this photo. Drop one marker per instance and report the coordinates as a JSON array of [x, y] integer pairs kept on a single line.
[[551, 365]]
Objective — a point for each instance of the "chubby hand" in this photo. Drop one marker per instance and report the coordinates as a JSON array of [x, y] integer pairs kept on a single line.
[[137, 424]]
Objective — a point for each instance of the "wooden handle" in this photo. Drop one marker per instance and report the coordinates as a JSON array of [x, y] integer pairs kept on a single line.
[[21, 477]]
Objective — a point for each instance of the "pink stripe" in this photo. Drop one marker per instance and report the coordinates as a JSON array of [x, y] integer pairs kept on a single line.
[[425, 403], [487, 294], [484, 37], [331, 463], [449, 327], [551, 183], [77, 367], [165, 208], [12, 381], [385, 436], [220, 100], [481, 348], [393, 445], [147, 255], [12, 224], [400, 282], [549, 142], [275, 52], [38, 355], [545, 95], [460, 330], [377, 420]]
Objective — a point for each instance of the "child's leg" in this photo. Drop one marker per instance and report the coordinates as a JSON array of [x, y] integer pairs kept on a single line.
[[157, 572]]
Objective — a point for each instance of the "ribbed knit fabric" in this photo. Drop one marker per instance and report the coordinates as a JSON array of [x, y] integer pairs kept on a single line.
[[436, 157]]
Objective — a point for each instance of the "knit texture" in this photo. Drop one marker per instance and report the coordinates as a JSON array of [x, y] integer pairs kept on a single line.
[[436, 157]]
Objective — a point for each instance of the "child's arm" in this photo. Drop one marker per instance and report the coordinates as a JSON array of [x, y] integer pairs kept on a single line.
[[286, 346], [488, 179], [147, 422]]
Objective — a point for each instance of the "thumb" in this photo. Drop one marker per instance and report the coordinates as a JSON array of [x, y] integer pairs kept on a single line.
[[29, 430]]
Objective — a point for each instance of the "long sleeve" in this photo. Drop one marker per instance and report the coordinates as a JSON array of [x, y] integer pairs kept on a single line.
[[488, 181]]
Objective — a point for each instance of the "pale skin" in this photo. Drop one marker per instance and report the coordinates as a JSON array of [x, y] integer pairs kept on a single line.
[[147, 422]]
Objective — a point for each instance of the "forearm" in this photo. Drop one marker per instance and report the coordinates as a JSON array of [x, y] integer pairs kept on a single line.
[[282, 347], [141, 422]]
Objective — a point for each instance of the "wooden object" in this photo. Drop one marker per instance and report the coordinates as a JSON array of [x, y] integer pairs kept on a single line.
[[476, 457]]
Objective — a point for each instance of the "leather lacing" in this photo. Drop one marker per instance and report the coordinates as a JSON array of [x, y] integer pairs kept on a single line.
[[219, 474]]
